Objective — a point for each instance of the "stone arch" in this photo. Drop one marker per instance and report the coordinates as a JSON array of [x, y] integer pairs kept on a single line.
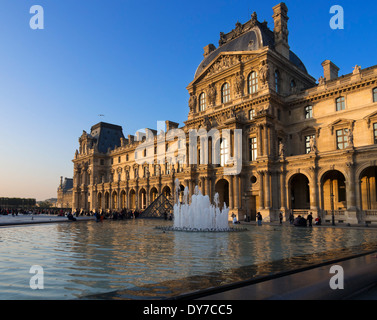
[[166, 191], [153, 194], [333, 190], [298, 191], [99, 200], [132, 199], [114, 200], [143, 198], [107, 200], [222, 188], [368, 188], [123, 197]]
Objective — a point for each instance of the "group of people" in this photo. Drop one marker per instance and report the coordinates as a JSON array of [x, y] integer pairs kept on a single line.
[[115, 215], [298, 222], [34, 211], [302, 222]]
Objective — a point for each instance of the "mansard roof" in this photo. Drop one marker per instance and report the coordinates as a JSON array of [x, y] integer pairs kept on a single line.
[[107, 136]]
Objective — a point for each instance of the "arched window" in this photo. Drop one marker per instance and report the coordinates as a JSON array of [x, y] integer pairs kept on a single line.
[[277, 81], [225, 93], [340, 104], [375, 95], [202, 102], [252, 82]]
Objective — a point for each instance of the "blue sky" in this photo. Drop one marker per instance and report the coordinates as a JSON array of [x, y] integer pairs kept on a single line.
[[131, 61]]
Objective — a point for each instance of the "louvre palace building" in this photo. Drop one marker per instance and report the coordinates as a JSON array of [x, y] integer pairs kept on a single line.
[[307, 145]]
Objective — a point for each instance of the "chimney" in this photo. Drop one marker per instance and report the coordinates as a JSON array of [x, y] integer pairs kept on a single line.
[[131, 139], [208, 49], [281, 29], [171, 125], [330, 70]]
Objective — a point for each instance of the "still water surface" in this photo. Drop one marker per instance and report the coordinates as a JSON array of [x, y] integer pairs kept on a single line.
[[83, 259]]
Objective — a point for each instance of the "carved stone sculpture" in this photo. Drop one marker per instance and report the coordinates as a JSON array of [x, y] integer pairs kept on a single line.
[[212, 94], [192, 103]]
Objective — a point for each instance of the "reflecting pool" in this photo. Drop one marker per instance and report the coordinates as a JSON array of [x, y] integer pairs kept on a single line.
[[132, 259]]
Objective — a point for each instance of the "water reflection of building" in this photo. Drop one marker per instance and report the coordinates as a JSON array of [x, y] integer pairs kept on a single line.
[[307, 146]]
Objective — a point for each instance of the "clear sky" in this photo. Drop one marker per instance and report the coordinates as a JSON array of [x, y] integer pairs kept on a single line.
[[131, 61]]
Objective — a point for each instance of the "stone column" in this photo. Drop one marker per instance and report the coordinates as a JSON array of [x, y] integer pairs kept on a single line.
[[148, 196], [126, 203], [268, 189], [208, 189], [351, 195], [283, 200], [259, 141], [236, 196], [266, 151], [261, 190], [351, 187], [203, 187], [231, 192]]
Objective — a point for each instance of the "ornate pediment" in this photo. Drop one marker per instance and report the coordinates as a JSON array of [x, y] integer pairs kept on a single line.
[[341, 123], [307, 131], [371, 117], [223, 62]]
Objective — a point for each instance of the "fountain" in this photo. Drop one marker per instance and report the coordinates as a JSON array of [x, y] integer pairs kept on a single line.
[[200, 215]]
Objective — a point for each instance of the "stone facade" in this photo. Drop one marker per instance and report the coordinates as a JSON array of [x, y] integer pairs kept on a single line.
[[65, 193], [307, 146]]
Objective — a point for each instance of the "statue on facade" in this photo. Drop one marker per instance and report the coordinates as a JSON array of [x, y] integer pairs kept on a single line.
[[321, 81], [240, 82], [264, 73], [192, 103], [313, 145], [212, 94], [281, 149], [350, 138], [356, 70]]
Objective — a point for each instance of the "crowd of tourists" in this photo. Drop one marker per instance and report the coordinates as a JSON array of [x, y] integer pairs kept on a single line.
[[114, 215], [33, 211]]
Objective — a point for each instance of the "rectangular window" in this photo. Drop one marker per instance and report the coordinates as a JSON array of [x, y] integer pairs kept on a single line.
[[167, 168], [342, 139], [308, 147], [375, 95], [224, 152], [180, 165], [252, 114], [253, 154], [308, 112], [375, 132], [340, 104]]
